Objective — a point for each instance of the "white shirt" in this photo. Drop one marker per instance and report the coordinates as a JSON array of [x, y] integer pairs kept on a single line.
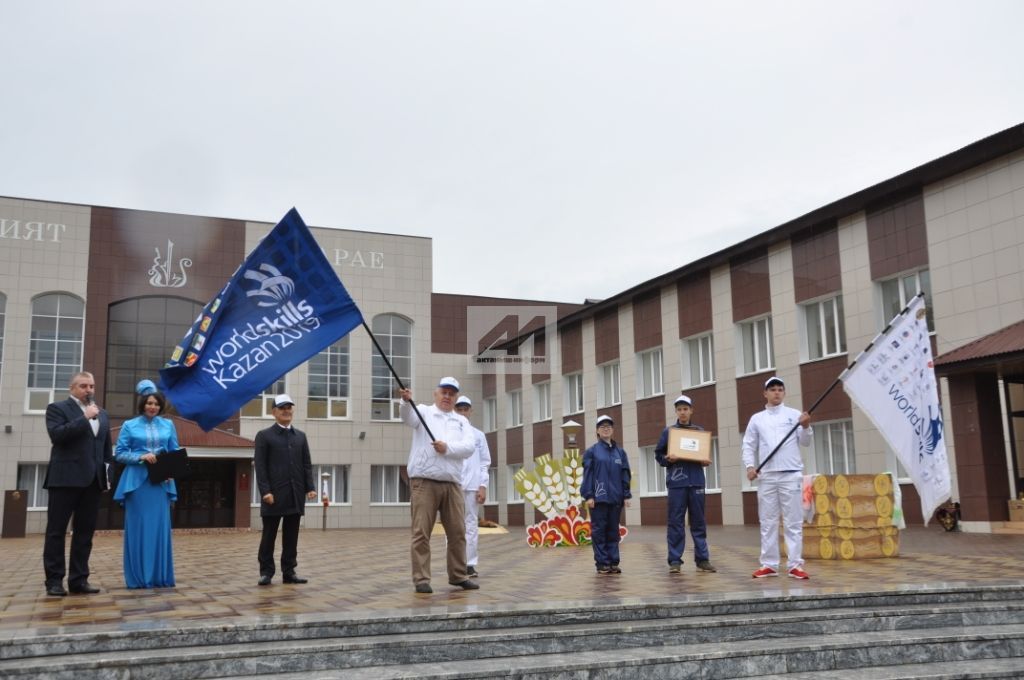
[[765, 430], [474, 468], [449, 427]]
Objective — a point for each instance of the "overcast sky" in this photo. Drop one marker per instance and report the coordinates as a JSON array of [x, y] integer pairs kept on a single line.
[[551, 150]]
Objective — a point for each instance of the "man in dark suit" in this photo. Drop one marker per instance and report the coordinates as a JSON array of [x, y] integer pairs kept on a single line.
[[76, 476], [284, 475]]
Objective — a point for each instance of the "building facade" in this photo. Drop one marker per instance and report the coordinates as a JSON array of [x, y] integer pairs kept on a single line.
[[111, 291]]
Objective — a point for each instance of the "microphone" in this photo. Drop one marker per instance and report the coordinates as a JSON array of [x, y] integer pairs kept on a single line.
[[88, 402]]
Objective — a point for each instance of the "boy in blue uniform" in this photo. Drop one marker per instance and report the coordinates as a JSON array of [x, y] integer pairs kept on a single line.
[[605, 489], [684, 480]]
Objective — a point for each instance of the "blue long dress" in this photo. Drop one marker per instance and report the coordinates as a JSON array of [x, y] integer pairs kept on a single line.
[[148, 557]]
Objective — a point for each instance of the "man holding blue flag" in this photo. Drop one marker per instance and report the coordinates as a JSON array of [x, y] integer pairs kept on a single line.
[[283, 305]]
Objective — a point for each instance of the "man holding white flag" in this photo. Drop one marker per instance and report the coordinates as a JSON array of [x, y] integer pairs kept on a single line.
[[893, 382]]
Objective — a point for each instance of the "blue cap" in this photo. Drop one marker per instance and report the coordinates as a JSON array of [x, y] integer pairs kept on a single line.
[[145, 387]]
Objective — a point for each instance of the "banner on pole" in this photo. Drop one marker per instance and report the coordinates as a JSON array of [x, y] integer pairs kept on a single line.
[[893, 382], [283, 305]]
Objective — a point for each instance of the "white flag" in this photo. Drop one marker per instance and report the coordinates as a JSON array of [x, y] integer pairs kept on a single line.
[[893, 382]]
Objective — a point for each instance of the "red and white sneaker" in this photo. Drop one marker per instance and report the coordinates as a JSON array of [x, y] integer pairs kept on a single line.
[[797, 572], [765, 572]]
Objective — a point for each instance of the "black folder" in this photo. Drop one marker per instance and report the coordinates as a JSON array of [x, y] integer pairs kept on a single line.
[[169, 465]]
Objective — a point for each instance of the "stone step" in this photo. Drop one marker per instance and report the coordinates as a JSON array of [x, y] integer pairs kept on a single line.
[[175, 635], [932, 651], [943, 670], [553, 640]]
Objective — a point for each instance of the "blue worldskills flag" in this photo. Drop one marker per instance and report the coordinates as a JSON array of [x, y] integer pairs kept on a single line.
[[281, 307]]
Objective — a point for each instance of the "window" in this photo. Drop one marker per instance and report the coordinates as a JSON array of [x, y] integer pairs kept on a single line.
[[825, 328], [140, 336], [492, 486], [394, 333], [897, 292], [262, 406], [711, 472], [698, 361], [329, 384], [833, 448], [608, 390], [513, 493], [756, 345], [648, 374], [3, 317], [336, 483], [515, 408], [30, 478], [490, 414], [574, 393], [895, 465], [541, 402], [389, 484], [55, 347], [655, 476]]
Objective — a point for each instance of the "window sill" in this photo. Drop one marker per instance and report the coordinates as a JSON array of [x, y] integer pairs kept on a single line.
[[804, 362]]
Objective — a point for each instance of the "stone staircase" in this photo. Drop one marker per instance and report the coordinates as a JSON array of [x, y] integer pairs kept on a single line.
[[932, 632]]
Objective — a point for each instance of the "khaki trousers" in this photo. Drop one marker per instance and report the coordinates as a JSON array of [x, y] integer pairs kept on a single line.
[[429, 497]]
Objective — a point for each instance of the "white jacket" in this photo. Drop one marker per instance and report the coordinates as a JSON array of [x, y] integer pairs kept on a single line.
[[451, 428], [474, 468], [765, 430]]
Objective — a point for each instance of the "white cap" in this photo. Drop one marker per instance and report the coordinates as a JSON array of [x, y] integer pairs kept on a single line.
[[283, 400], [683, 399], [772, 380], [604, 419], [463, 401], [449, 381]]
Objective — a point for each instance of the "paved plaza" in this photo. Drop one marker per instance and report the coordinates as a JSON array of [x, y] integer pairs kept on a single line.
[[364, 572]]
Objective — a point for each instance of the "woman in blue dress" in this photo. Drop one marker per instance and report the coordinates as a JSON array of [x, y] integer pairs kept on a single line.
[[148, 559]]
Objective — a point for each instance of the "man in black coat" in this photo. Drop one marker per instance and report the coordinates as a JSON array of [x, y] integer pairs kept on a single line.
[[284, 475], [76, 476]]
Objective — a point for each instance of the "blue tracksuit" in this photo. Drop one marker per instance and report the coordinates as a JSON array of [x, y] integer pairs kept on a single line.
[[606, 479], [685, 483]]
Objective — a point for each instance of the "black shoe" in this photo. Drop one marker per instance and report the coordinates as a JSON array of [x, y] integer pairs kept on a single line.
[[705, 565], [424, 588], [56, 589], [615, 569], [472, 572], [264, 580], [467, 585], [295, 578], [83, 588]]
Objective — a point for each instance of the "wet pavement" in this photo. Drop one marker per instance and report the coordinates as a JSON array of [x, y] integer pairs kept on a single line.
[[362, 571]]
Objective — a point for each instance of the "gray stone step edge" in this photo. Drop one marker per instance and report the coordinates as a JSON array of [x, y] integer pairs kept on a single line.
[[201, 661], [811, 656], [973, 669], [169, 634]]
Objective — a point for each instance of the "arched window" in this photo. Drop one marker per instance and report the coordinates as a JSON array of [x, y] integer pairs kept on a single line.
[[3, 324], [141, 334], [394, 333], [329, 382], [54, 347]]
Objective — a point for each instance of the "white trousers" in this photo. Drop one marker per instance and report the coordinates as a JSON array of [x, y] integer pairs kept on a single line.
[[780, 494], [472, 527]]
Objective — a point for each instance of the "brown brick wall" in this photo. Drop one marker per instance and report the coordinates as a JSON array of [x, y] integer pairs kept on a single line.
[[981, 455], [816, 269], [606, 336], [647, 321], [694, 301], [514, 446], [751, 290], [815, 378], [749, 397], [541, 438], [897, 238], [650, 420], [572, 348]]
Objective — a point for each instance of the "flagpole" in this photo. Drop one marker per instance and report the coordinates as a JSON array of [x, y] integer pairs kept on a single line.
[[839, 380], [398, 380]]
